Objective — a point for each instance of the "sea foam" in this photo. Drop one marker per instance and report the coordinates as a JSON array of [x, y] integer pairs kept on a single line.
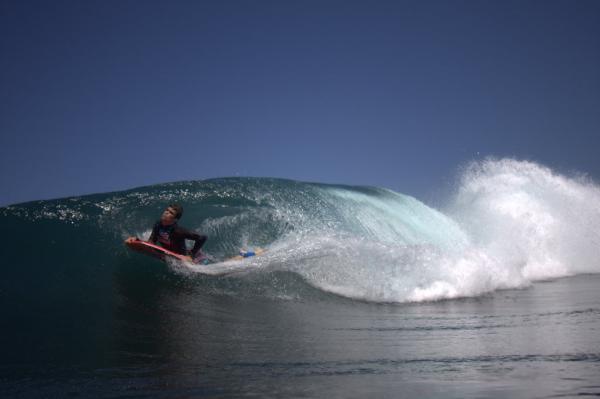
[[510, 223]]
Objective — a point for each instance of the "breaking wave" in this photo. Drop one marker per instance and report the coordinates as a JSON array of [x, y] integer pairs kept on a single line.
[[509, 223]]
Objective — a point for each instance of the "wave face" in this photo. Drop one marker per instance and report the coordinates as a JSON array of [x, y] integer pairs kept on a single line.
[[510, 223]]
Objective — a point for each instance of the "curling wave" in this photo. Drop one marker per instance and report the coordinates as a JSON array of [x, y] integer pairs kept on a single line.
[[509, 223]]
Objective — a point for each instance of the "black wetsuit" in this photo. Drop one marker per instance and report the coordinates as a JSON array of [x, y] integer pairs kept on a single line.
[[173, 238]]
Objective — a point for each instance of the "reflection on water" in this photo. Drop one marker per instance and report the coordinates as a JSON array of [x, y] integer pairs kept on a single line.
[[233, 336]]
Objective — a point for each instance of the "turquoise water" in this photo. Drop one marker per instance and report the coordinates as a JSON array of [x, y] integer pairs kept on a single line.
[[362, 291]]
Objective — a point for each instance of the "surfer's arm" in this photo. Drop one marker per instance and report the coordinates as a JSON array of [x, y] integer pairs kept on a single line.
[[198, 239]]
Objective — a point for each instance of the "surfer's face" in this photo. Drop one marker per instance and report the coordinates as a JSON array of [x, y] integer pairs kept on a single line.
[[168, 216]]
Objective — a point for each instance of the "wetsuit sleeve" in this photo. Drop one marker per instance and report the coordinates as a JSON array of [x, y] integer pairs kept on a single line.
[[154, 233], [198, 239]]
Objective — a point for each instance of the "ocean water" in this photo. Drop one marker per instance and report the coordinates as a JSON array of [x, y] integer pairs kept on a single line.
[[363, 292]]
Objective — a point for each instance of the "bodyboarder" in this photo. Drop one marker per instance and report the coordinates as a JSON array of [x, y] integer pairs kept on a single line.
[[171, 236]]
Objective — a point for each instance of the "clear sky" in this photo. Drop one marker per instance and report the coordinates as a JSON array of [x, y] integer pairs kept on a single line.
[[100, 96]]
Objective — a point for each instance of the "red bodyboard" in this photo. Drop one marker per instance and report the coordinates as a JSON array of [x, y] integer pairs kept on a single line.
[[154, 250]]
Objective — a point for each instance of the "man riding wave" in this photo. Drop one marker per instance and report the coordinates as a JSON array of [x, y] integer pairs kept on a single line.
[[172, 237]]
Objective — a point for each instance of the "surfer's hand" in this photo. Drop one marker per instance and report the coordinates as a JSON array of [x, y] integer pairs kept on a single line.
[[189, 258], [131, 239]]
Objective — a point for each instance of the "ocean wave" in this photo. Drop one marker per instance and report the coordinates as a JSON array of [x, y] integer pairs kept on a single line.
[[509, 223]]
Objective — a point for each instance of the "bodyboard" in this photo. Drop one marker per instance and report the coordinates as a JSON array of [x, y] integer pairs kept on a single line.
[[154, 250]]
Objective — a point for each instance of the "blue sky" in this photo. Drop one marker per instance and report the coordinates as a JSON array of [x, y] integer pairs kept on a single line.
[[102, 96]]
